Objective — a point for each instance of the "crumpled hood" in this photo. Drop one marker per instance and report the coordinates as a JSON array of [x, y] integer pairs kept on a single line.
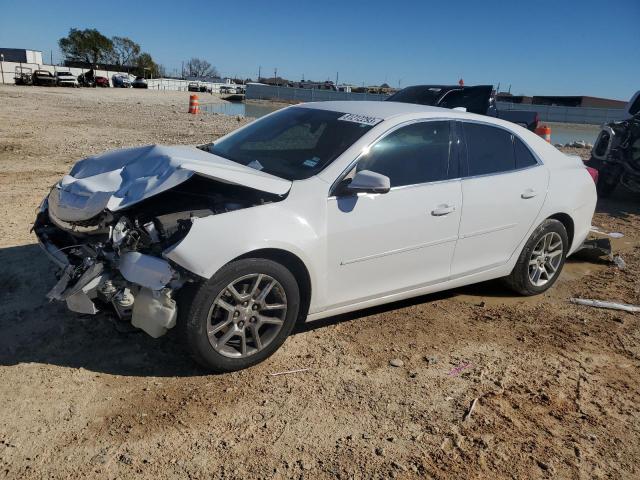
[[121, 178]]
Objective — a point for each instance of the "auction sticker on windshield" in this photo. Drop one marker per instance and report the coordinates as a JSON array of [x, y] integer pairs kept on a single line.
[[363, 119]]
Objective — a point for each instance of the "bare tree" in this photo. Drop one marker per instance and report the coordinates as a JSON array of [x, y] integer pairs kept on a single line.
[[124, 52], [196, 67]]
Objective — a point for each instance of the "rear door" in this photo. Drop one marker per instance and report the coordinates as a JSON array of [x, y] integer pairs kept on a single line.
[[503, 189]]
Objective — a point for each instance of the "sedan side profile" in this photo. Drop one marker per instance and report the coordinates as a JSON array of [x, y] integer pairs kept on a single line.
[[312, 211]]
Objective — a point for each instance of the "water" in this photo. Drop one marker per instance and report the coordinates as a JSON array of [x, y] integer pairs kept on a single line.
[[560, 132], [571, 132], [240, 108]]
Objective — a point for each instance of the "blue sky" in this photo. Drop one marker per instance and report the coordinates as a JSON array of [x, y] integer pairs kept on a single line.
[[539, 47]]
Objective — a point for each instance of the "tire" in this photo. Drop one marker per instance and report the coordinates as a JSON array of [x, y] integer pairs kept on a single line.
[[200, 310], [520, 280]]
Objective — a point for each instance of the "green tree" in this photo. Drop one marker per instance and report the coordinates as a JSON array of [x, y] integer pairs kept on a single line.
[[146, 67], [124, 51], [87, 45]]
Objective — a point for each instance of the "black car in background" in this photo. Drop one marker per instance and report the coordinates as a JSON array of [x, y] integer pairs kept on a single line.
[[475, 99], [43, 78], [140, 82]]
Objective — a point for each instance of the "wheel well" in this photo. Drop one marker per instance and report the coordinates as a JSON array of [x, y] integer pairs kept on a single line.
[[567, 221], [297, 268]]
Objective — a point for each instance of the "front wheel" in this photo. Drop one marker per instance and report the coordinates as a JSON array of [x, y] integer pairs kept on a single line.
[[541, 259], [241, 316]]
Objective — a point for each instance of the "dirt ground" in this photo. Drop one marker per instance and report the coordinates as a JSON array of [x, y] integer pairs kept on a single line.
[[557, 385]]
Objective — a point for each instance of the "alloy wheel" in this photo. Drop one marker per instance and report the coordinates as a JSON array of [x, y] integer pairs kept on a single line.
[[247, 315], [545, 259]]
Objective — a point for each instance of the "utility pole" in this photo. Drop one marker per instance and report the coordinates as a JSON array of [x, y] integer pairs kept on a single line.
[[259, 72], [275, 75], [2, 66], [50, 57], [337, 79], [182, 70]]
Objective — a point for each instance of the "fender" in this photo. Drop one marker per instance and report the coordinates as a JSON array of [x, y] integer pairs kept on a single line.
[[216, 240]]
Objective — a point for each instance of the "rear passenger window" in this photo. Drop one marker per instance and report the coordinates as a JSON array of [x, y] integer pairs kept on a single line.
[[524, 157], [417, 153], [489, 149]]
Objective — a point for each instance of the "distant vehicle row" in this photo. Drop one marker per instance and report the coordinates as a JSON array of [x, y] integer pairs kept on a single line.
[[24, 76], [204, 88]]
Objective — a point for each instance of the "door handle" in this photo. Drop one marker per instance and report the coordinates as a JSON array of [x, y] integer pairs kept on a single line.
[[528, 193], [442, 210]]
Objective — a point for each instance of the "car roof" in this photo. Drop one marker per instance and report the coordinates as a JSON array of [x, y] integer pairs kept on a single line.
[[377, 109], [386, 110]]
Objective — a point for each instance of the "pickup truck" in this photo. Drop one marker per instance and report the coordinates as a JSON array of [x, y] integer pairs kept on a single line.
[[475, 99]]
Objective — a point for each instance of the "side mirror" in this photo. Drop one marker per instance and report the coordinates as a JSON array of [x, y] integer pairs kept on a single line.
[[367, 181]]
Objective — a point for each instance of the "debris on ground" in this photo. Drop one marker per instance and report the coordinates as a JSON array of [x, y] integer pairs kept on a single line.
[[459, 368], [594, 249], [396, 362], [609, 305], [469, 411], [287, 372], [599, 231], [619, 262]]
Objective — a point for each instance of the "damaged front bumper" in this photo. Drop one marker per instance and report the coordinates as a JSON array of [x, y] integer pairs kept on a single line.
[[138, 287]]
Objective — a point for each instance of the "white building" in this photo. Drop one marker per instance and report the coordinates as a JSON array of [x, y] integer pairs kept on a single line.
[[21, 55]]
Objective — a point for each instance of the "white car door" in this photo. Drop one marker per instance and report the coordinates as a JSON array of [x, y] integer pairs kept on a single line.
[[380, 244], [503, 187]]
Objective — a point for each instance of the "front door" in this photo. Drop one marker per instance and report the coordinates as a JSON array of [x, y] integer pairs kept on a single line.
[[380, 244]]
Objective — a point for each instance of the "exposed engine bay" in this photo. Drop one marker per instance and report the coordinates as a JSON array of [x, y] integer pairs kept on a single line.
[[114, 260], [616, 156]]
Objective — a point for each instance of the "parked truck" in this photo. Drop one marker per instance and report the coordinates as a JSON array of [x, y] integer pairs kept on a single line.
[[475, 99]]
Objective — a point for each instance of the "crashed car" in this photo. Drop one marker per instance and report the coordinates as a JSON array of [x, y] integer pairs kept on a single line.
[[312, 211], [616, 152], [43, 78]]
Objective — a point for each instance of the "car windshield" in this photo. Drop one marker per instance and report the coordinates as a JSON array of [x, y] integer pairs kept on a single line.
[[64, 74], [294, 143]]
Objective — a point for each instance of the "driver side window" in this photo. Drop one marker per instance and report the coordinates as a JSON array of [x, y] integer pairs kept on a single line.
[[411, 155]]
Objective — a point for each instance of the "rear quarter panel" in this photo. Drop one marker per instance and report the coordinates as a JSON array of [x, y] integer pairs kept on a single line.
[[571, 191]]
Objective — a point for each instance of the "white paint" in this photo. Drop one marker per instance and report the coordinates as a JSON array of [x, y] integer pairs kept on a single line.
[[372, 248], [121, 178], [145, 270]]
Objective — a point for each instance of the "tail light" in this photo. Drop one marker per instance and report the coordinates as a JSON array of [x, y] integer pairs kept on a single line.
[[594, 174]]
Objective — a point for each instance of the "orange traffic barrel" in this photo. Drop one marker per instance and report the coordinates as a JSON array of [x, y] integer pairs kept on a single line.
[[193, 104], [545, 132]]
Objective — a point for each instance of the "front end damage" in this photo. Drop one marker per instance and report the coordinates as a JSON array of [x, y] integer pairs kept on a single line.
[[114, 261]]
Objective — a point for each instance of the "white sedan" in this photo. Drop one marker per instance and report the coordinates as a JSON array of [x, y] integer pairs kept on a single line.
[[66, 79], [312, 211]]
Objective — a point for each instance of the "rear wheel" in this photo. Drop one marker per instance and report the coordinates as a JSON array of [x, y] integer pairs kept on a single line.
[[541, 260], [241, 316]]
